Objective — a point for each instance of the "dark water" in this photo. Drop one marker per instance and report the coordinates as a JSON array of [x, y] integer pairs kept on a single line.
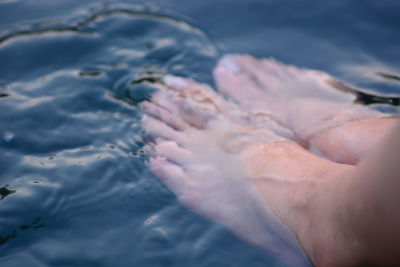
[[75, 190]]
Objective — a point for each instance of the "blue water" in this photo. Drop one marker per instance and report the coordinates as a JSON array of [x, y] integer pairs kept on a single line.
[[73, 181]]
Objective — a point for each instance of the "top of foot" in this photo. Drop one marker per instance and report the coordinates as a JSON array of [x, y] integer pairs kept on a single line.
[[197, 139]]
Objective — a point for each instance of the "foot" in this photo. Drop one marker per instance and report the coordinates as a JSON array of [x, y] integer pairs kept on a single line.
[[230, 171], [202, 151], [306, 101]]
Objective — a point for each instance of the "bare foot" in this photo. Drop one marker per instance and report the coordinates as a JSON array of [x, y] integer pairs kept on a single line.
[[305, 101], [202, 151], [227, 169]]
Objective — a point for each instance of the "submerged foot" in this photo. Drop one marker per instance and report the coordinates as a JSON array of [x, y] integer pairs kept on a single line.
[[202, 150], [306, 101], [227, 169]]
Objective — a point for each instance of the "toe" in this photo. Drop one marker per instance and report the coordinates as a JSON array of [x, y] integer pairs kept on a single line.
[[173, 152], [193, 114], [160, 130], [196, 103], [229, 63], [164, 97], [239, 77], [163, 114], [171, 174], [183, 103], [190, 89], [227, 77], [175, 83]]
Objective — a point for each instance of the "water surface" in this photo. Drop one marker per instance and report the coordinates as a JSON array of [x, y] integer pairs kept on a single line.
[[74, 187]]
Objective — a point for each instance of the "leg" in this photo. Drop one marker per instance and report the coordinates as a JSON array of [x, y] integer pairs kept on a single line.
[[312, 197], [376, 181], [343, 215]]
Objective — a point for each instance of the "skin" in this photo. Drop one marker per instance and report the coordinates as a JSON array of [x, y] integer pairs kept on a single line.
[[330, 177], [377, 179], [323, 119], [343, 215]]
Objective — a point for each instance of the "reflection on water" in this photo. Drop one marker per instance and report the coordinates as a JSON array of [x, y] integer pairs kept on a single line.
[[74, 187]]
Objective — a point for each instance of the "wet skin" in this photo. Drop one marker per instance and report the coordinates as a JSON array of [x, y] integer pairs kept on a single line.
[[286, 141]]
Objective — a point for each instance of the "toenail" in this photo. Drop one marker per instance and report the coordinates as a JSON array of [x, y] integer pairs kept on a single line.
[[175, 82], [144, 117], [230, 63]]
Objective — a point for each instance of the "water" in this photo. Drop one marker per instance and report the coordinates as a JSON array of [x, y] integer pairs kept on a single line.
[[74, 187]]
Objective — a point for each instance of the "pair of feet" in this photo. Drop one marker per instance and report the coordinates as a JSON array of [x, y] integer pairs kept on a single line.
[[281, 147]]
